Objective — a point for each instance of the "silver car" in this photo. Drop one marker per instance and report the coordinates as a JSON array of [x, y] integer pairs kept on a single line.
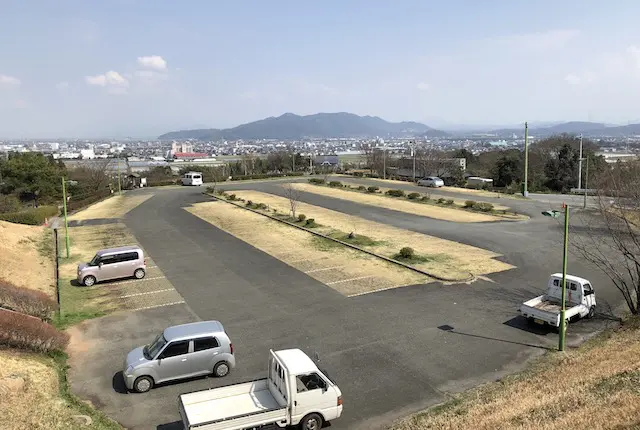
[[431, 181], [179, 352], [113, 263]]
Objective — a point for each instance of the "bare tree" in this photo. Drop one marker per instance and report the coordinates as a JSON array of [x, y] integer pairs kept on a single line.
[[367, 149], [432, 162], [293, 195], [609, 236], [94, 176]]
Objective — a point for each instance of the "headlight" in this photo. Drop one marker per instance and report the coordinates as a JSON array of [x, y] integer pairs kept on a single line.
[[129, 369]]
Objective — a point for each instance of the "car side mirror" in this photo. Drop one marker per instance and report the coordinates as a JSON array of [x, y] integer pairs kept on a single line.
[[100, 265]]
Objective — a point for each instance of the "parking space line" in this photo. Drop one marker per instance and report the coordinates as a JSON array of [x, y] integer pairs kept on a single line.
[[348, 280], [152, 267], [374, 291], [159, 306], [148, 292], [304, 260], [138, 280], [326, 268]]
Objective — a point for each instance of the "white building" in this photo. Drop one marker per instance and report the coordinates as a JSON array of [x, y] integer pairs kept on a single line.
[[87, 154]]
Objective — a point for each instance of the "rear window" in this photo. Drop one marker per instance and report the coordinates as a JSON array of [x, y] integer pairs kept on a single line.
[[205, 343], [128, 256]]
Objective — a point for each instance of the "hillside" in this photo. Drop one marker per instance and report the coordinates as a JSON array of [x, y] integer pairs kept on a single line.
[[322, 125], [574, 127]]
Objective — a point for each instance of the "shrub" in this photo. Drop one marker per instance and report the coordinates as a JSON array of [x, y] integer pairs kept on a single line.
[[261, 206], [483, 207], [335, 184], [163, 182], [316, 181], [22, 331], [301, 217], [407, 252], [395, 193], [30, 302], [441, 201], [358, 174], [362, 188], [413, 196], [449, 202], [221, 192], [249, 203], [9, 203], [372, 189], [469, 204], [311, 222], [33, 216], [90, 199], [232, 197], [265, 176]]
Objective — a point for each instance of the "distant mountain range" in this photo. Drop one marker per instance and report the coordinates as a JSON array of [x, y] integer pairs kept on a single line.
[[322, 125], [574, 127]]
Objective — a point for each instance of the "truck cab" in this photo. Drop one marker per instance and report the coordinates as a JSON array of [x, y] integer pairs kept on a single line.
[[545, 309]]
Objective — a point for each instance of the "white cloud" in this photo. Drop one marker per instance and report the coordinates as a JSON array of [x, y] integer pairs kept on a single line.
[[9, 81], [579, 79], [153, 62], [423, 86], [113, 81]]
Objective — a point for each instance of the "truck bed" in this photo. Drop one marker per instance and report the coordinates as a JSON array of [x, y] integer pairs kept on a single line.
[[240, 401], [548, 306]]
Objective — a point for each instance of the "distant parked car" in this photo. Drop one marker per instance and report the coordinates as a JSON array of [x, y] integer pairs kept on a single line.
[[431, 181], [179, 352], [113, 263]]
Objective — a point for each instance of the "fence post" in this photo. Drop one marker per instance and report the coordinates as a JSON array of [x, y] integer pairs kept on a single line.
[[57, 255]]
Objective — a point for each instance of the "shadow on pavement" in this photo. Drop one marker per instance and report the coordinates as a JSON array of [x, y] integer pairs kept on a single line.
[[521, 323], [176, 425], [118, 383], [451, 329]]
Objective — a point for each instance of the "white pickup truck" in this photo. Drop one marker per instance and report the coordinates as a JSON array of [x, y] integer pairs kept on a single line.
[[295, 392], [545, 309]]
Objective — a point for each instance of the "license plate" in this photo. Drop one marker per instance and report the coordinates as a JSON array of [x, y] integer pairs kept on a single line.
[[537, 321]]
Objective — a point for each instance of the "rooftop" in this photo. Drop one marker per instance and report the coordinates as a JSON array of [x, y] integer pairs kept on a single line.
[[296, 361], [178, 332]]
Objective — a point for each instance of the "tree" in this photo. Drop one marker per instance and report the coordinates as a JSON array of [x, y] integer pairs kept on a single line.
[[432, 162], [562, 170], [367, 149], [93, 177], [610, 238], [293, 195], [32, 177], [508, 169]]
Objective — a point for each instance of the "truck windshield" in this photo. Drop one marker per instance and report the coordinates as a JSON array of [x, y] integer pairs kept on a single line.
[[151, 350]]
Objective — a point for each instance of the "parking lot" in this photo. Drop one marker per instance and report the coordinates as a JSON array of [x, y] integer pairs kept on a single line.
[[392, 352]]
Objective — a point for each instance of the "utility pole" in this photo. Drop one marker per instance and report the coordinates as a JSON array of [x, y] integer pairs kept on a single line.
[[580, 165], [66, 223], [384, 161], [293, 162], [311, 163], [563, 323], [413, 155], [525, 192], [586, 185]]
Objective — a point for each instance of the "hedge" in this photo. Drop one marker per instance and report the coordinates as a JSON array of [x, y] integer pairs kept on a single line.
[[163, 182], [34, 216], [30, 302], [22, 331], [265, 176], [74, 205]]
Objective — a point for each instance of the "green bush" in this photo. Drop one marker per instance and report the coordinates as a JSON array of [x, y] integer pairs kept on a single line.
[[316, 181], [220, 192], [335, 184], [469, 204], [261, 206], [163, 182], [310, 223], [372, 189], [413, 196], [232, 197], [425, 198], [449, 202], [395, 193], [407, 252], [33, 216], [74, 204], [301, 217], [362, 188], [483, 207], [249, 203], [358, 174], [9, 203], [265, 176], [441, 201]]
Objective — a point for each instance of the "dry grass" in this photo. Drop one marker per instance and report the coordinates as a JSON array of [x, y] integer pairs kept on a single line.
[[401, 204], [305, 252], [448, 259], [113, 207], [596, 386], [25, 257], [39, 406]]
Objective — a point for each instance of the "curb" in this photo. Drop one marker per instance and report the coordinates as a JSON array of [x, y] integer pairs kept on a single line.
[[348, 245]]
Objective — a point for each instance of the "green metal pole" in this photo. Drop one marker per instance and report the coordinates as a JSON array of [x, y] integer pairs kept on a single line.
[[66, 223], [563, 323], [525, 192]]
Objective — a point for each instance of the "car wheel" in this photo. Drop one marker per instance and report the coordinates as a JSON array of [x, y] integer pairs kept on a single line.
[[139, 273], [221, 369], [592, 312], [143, 384], [89, 281], [311, 422]]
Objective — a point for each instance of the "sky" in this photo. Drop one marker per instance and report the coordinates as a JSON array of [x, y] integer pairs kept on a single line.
[[141, 68]]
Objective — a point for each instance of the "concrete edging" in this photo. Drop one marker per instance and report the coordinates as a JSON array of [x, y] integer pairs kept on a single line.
[[348, 245]]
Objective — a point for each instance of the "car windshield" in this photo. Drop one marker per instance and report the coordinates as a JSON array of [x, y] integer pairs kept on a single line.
[[151, 350], [94, 260]]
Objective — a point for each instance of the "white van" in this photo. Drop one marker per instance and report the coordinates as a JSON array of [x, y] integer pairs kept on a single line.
[[192, 178]]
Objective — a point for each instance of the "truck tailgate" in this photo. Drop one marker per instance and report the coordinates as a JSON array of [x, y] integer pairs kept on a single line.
[[231, 407]]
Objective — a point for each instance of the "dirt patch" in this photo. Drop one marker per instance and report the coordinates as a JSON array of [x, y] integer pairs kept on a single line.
[[113, 207], [348, 271], [26, 257], [561, 391], [400, 204], [448, 259]]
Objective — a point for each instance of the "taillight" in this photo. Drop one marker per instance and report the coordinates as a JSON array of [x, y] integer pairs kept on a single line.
[[340, 401], [145, 261], [231, 347]]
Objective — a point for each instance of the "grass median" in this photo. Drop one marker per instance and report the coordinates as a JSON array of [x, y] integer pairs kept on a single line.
[[440, 257], [452, 211], [596, 386]]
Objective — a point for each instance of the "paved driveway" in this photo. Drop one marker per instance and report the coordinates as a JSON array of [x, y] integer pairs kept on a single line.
[[392, 352]]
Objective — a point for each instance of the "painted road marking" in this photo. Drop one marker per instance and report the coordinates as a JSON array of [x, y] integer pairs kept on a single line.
[[374, 291], [348, 280], [159, 306], [326, 268], [148, 292], [138, 280]]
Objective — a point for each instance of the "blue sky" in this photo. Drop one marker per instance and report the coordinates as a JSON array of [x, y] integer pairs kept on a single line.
[[140, 68]]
